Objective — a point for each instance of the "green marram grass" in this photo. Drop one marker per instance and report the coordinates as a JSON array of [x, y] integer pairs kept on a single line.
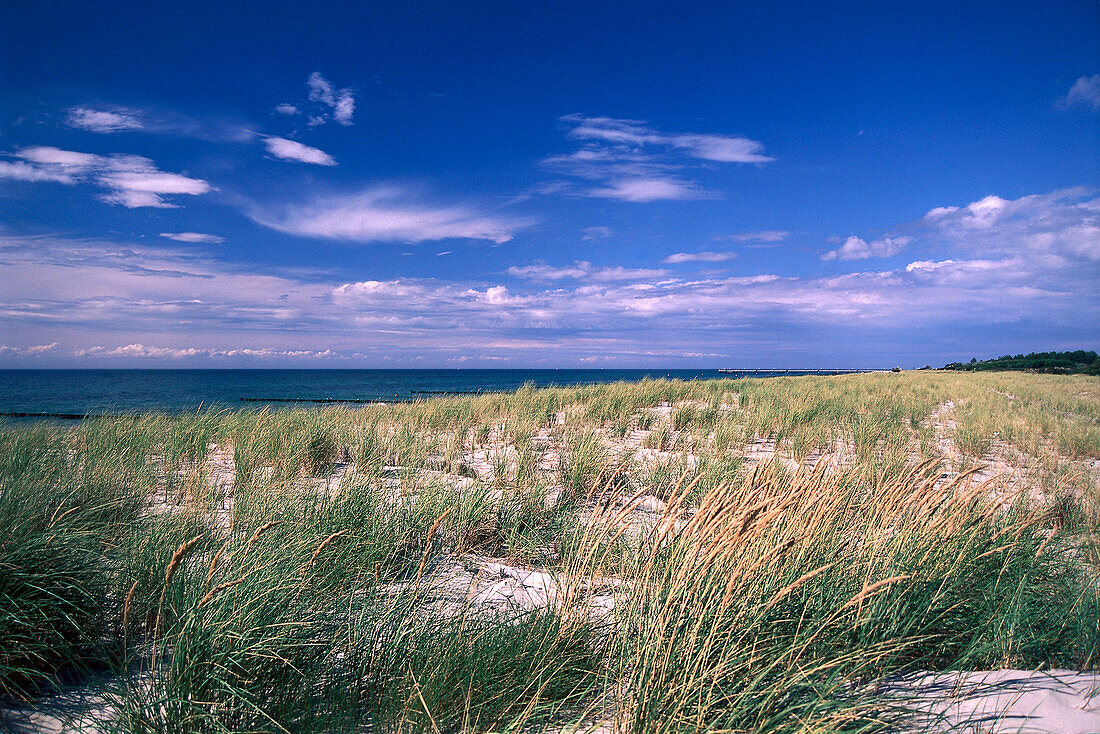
[[287, 570]]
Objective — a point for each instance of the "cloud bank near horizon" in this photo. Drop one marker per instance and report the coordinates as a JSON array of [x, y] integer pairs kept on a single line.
[[1031, 262]]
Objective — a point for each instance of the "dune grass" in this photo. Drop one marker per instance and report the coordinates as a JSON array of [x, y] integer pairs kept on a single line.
[[780, 594], [327, 570]]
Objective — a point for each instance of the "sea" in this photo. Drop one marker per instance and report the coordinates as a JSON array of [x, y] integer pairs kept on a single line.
[[80, 393]]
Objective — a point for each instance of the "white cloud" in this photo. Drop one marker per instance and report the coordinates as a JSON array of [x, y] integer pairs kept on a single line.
[[344, 109], [136, 350], [583, 270], [983, 213], [856, 248], [143, 351], [105, 121], [1029, 265], [267, 352], [292, 150], [130, 180], [341, 102], [67, 161], [383, 214], [85, 289], [132, 199], [175, 296], [134, 181], [706, 257], [194, 237], [620, 273], [649, 188], [1085, 92], [34, 350], [685, 311], [635, 133], [629, 161], [286, 109], [611, 130], [960, 269], [592, 234], [496, 295], [1060, 226], [320, 90], [23, 171], [549, 272], [377, 288], [722, 148], [768, 235]]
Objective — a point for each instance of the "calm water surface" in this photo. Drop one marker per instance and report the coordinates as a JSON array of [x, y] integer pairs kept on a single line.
[[112, 391]]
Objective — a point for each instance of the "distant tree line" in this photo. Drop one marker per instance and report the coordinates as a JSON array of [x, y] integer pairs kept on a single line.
[[1079, 362]]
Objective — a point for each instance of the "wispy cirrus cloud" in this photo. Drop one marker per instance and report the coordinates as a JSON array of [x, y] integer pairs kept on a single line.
[[111, 119], [583, 270], [594, 234], [35, 173], [337, 103], [703, 257], [965, 271], [769, 236], [638, 135], [627, 160], [292, 150], [134, 181], [649, 188], [130, 180], [1085, 92], [105, 121], [383, 214], [194, 237]]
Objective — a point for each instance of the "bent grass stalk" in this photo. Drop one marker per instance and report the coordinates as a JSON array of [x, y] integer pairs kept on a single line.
[[170, 571], [214, 564], [226, 585], [260, 531], [321, 547]]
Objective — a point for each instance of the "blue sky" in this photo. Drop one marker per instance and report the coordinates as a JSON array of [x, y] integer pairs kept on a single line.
[[508, 185]]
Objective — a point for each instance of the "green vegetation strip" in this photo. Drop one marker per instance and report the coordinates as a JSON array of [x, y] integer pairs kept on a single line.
[[1078, 362]]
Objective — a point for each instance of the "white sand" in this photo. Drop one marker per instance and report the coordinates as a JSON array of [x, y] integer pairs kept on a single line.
[[1003, 701]]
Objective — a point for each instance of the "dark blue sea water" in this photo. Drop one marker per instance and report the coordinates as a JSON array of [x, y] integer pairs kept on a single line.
[[114, 391]]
